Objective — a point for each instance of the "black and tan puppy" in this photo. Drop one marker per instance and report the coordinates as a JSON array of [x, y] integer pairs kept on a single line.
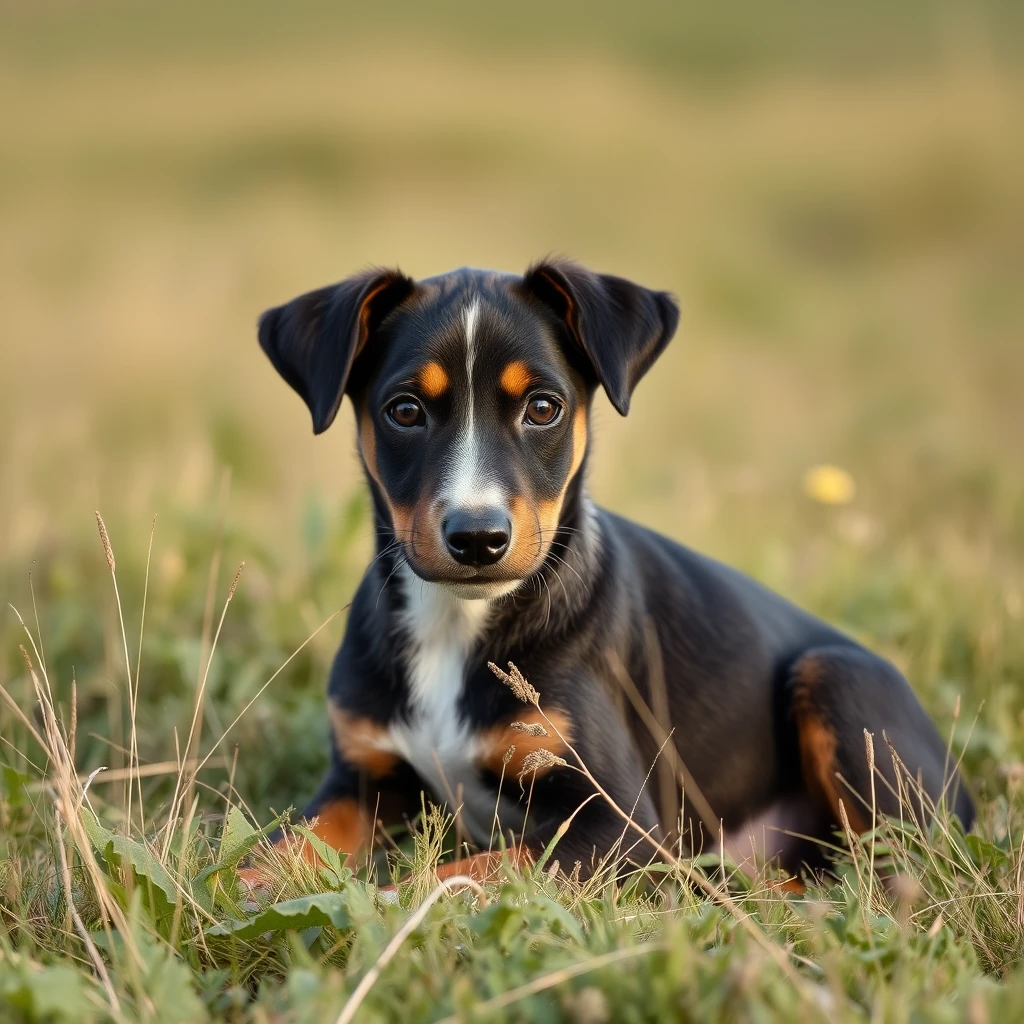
[[472, 393]]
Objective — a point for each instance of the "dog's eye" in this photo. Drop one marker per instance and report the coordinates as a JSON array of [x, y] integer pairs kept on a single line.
[[542, 410], [406, 413]]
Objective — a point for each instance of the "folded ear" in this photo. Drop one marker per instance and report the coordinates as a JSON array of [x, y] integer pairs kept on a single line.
[[620, 327], [314, 339]]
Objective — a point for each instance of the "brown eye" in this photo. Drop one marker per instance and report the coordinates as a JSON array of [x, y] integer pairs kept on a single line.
[[406, 413], [542, 411]]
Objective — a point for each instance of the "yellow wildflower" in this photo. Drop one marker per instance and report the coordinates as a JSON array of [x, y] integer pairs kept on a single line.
[[829, 485]]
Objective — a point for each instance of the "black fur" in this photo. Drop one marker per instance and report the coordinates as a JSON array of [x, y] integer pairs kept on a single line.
[[766, 703]]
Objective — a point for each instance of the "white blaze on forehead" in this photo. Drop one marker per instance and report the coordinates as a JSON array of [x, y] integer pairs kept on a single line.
[[467, 485], [470, 315]]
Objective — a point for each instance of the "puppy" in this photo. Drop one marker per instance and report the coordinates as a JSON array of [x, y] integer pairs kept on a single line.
[[705, 708]]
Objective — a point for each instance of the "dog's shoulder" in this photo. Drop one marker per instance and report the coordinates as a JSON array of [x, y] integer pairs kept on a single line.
[[692, 590]]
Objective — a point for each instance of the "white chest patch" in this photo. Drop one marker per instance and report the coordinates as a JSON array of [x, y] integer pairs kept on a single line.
[[443, 630]]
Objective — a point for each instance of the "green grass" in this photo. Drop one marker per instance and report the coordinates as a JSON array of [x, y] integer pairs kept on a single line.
[[836, 198], [181, 940]]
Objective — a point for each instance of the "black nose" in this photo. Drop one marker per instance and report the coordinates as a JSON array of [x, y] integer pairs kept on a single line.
[[477, 537]]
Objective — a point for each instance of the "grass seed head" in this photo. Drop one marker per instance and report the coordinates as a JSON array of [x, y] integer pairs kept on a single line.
[[234, 582], [517, 683], [530, 728], [105, 541], [537, 759]]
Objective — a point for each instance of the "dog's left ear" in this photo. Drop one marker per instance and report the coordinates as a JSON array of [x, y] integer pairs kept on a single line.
[[314, 339], [620, 327]]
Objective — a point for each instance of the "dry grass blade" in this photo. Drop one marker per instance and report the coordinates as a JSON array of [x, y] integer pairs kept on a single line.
[[94, 953], [195, 727], [665, 741], [349, 1010], [515, 681], [69, 797], [312, 636], [133, 745]]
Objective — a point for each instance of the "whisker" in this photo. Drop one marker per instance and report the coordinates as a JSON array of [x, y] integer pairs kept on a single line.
[[547, 617], [568, 566], [398, 565], [559, 578]]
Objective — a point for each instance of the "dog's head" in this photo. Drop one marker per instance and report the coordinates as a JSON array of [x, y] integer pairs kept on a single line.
[[472, 392]]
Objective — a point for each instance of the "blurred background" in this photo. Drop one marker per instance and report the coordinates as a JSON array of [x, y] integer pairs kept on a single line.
[[834, 191]]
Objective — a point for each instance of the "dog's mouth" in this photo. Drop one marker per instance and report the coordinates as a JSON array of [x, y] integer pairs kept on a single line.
[[469, 582], [481, 590], [478, 584]]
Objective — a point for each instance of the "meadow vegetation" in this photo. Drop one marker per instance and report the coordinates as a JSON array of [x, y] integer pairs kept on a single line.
[[836, 198]]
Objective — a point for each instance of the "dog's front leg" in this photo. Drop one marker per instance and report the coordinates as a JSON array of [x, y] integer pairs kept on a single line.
[[349, 807]]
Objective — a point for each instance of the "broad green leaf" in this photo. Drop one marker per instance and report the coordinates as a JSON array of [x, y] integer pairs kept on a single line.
[[237, 839], [328, 908], [14, 786], [55, 993], [332, 858], [121, 852], [168, 984]]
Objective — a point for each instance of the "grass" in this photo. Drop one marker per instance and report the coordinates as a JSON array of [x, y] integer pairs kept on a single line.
[[839, 206], [108, 914]]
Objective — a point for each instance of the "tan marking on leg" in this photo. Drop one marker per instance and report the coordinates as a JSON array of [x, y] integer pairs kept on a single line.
[[818, 748], [486, 867], [515, 378], [361, 741], [496, 741], [794, 886], [343, 825], [433, 379]]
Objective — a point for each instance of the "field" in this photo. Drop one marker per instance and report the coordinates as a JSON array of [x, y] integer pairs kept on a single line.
[[836, 197]]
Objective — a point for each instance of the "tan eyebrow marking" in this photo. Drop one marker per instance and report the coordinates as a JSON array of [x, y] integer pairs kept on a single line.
[[433, 380], [515, 378]]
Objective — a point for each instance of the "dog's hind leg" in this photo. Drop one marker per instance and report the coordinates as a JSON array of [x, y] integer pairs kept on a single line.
[[837, 693]]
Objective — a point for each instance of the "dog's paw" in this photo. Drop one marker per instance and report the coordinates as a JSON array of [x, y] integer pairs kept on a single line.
[[388, 894], [253, 879]]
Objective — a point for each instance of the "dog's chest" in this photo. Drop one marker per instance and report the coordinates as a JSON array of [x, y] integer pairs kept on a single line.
[[441, 632]]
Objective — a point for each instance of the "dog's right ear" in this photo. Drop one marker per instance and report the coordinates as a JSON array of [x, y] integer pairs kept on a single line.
[[314, 339]]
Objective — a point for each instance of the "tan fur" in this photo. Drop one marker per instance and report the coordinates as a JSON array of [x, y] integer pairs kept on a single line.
[[486, 867], [496, 741], [433, 380], [818, 748], [359, 741], [401, 515], [515, 378], [548, 512]]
